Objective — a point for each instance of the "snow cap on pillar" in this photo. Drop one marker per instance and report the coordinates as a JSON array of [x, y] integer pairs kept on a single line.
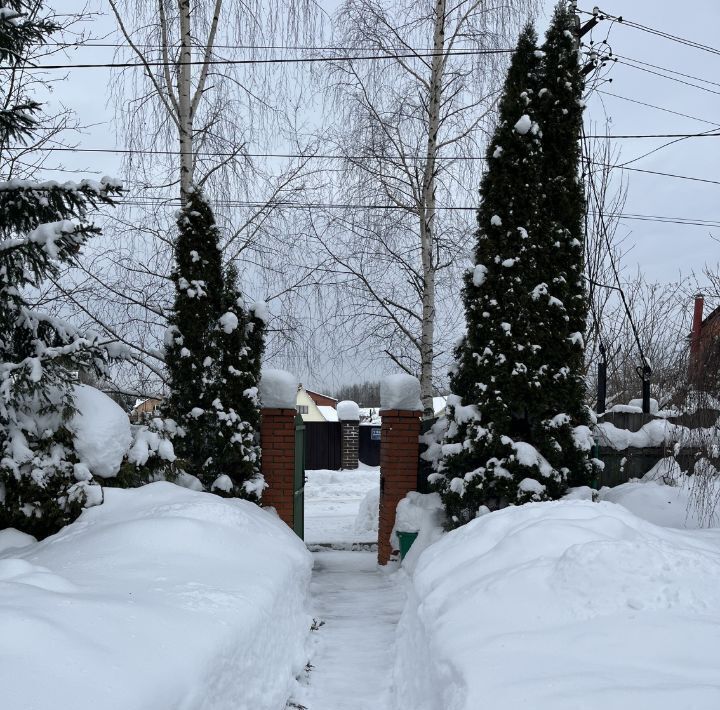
[[400, 391], [278, 389], [348, 411]]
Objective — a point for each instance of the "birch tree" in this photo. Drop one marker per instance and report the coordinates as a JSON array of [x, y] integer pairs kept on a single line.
[[410, 130], [191, 112]]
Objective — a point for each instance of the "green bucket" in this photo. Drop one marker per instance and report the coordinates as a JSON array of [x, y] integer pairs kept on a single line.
[[405, 539]]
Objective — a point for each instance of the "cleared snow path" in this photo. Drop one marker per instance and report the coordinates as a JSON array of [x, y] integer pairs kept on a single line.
[[360, 606]]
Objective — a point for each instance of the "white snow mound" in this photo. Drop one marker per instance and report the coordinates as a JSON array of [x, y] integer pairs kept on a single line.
[[159, 598], [101, 431], [348, 411], [278, 389], [400, 391], [560, 606]]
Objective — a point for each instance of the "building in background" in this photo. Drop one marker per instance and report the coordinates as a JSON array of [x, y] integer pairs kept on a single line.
[[316, 407]]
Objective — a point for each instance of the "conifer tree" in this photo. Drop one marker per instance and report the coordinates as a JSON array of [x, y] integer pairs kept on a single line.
[[213, 349], [510, 437], [42, 225], [241, 337], [562, 210]]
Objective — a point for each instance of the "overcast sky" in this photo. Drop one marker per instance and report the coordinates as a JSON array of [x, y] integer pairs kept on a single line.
[[661, 250]]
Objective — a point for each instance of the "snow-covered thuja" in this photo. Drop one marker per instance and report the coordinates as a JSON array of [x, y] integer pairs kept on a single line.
[[43, 485], [561, 303], [506, 439], [241, 344], [213, 347]]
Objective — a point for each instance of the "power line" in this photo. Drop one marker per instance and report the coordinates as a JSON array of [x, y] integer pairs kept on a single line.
[[666, 69], [656, 172], [660, 33], [659, 108], [301, 156], [278, 60], [336, 156], [170, 201], [264, 47], [669, 78]]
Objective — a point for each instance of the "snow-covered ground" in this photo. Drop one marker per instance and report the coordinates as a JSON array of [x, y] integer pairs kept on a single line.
[[333, 502], [561, 606], [159, 598], [353, 656]]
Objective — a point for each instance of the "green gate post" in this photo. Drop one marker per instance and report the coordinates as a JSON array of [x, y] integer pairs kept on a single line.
[[299, 480]]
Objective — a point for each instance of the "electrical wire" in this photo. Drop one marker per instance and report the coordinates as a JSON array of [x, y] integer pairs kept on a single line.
[[658, 108], [172, 201], [277, 60], [651, 30]]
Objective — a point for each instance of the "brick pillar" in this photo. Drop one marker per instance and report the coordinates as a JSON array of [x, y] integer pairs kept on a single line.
[[277, 437], [399, 455], [350, 440]]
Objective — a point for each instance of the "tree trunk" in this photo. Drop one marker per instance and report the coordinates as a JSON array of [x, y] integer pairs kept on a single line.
[[427, 215], [184, 89]]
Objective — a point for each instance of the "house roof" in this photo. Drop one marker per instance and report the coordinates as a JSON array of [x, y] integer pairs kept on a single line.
[[319, 394], [329, 413], [710, 316]]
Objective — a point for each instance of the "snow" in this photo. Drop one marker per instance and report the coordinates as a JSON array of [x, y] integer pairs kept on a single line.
[[222, 483], [260, 310], [228, 322], [654, 433], [330, 414], [496, 221], [278, 389], [559, 606], [159, 598], [354, 650], [422, 513], [348, 411], [638, 403], [666, 496], [11, 539], [479, 274], [626, 409], [367, 518], [333, 501], [147, 443], [400, 391], [523, 125], [101, 431]]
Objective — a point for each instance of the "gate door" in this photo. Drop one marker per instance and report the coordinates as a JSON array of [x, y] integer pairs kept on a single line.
[[299, 479]]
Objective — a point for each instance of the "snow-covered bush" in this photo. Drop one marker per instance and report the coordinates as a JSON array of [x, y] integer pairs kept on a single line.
[[159, 598], [213, 348], [562, 605]]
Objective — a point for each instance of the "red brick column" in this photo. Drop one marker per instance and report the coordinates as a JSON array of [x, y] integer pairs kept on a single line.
[[399, 454], [277, 438]]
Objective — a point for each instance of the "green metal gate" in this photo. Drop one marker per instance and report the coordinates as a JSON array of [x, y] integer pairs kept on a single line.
[[299, 479]]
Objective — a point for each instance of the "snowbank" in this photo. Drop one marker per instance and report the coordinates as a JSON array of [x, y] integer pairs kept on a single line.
[[560, 606], [338, 506], [11, 539], [400, 391], [669, 497], [278, 389], [348, 411], [101, 431], [422, 513], [367, 519], [658, 432], [160, 598]]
